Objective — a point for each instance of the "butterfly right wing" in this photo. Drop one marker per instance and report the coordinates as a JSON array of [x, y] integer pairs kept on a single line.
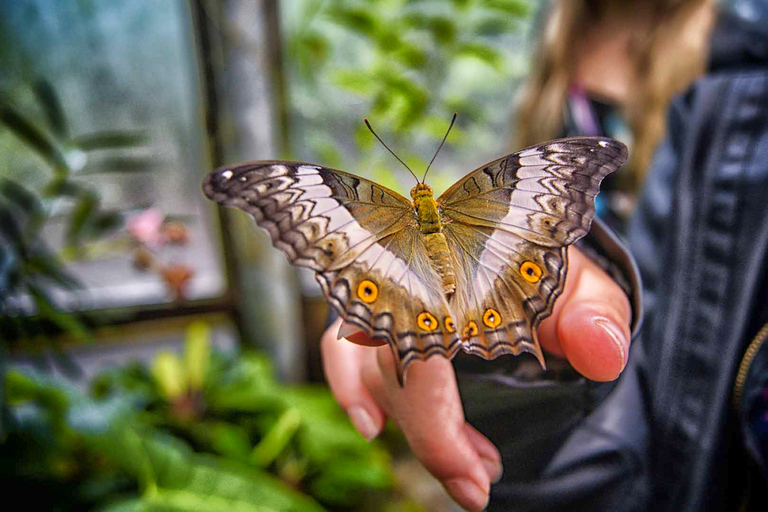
[[508, 225]]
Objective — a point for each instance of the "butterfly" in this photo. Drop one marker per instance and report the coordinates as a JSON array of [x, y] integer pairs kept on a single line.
[[477, 269]]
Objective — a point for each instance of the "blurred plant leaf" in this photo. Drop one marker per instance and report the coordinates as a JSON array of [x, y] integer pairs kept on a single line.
[[105, 223], [441, 27], [122, 165], [81, 216], [178, 479], [491, 25], [353, 80], [197, 354], [513, 8], [276, 439], [483, 53], [110, 140], [46, 308], [35, 138], [227, 439], [25, 199], [62, 186], [41, 261], [309, 50], [356, 18], [49, 100], [169, 375], [409, 54]]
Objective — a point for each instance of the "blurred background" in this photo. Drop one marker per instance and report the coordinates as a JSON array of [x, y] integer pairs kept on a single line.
[[156, 352]]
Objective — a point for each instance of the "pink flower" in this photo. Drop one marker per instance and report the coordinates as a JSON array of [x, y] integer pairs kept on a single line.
[[145, 227]]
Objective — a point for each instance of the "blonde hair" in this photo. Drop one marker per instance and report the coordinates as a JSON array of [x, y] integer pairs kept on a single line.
[[667, 57]]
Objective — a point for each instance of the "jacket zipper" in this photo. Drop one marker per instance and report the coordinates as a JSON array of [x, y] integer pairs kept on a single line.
[[746, 362]]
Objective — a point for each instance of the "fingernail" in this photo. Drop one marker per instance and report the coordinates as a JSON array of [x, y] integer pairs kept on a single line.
[[363, 422], [494, 469], [467, 493], [346, 330], [617, 335]]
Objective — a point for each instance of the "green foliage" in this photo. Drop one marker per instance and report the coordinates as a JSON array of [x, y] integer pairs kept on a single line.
[[31, 273], [406, 65], [228, 437]]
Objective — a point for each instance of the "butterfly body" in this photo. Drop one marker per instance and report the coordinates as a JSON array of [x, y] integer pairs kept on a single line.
[[476, 269], [426, 209]]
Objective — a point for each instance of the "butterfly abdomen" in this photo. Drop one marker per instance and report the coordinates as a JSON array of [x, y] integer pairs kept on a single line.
[[432, 230], [440, 258]]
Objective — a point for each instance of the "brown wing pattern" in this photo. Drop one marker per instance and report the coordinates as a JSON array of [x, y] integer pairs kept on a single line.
[[410, 316], [360, 238], [508, 225], [320, 218]]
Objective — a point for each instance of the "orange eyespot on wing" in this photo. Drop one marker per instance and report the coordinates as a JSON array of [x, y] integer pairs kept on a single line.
[[449, 325], [530, 271], [367, 291], [427, 321], [470, 330], [491, 318]]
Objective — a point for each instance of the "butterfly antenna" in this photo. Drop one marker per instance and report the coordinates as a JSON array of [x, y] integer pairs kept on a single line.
[[439, 147], [393, 153]]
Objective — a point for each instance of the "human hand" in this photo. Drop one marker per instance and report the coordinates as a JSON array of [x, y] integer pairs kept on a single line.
[[589, 326]]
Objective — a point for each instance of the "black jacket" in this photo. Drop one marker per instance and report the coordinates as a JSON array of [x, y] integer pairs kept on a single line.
[[673, 434]]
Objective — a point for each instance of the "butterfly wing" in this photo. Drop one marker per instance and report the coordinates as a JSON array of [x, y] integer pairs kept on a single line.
[[508, 225], [362, 240]]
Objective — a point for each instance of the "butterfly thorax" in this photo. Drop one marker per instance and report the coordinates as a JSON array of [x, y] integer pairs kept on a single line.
[[426, 209], [428, 217]]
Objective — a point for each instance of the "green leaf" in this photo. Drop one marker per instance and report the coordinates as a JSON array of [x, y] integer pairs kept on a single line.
[[81, 216], [356, 81], [48, 98], [126, 505], [197, 354], [442, 28], [111, 140], [309, 51], [409, 54], [344, 482], [105, 223], [276, 439], [514, 8], [491, 26], [45, 263], [47, 309], [60, 186], [25, 199], [355, 19], [181, 480], [483, 53], [169, 375], [35, 138], [229, 440]]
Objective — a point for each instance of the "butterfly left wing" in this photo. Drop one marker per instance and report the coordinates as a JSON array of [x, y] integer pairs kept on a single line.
[[508, 225], [362, 240]]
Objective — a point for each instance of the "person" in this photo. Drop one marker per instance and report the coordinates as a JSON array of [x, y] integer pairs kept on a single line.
[[684, 428]]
